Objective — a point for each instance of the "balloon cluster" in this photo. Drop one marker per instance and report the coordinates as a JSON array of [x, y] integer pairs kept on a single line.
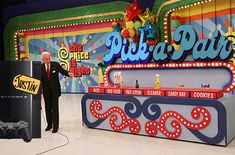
[[176, 21], [136, 22]]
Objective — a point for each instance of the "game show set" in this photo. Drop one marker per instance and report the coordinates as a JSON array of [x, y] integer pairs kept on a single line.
[[117, 77]]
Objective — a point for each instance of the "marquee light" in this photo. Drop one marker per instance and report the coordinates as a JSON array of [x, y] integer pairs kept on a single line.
[[179, 8], [57, 26], [171, 65]]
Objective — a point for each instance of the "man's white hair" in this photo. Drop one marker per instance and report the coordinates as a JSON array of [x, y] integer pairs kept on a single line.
[[45, 54]]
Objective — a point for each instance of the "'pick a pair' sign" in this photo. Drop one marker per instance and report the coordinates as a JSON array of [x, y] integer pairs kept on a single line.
[[217, 48]]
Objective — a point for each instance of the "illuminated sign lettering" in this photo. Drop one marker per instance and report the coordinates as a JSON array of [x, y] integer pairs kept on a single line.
[[217, 48], [70, 59]]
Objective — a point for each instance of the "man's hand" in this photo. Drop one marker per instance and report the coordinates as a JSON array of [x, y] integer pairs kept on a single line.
[[71, 74]]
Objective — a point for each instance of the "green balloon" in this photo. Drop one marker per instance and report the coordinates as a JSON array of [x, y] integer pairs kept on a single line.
[[175, 23], [21, 40], [137, 24]]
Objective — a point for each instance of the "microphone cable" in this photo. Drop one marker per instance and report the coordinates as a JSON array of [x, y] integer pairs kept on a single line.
[[57, 147]]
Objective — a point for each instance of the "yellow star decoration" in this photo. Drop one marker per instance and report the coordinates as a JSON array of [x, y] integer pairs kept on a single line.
[[233, 59], [147, 16], [231, 33], [84, 41], [125, 18]]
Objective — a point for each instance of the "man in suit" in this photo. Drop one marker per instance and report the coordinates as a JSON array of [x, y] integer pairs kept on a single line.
[[51, 90]]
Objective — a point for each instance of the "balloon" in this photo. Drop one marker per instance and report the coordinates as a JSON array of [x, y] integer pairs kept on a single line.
[[175, 23], [21, 40], [147, 16], [129, 25], [151, 42], [132, 33], [125, 33], [130, 28], [137, 24], [133, 11]]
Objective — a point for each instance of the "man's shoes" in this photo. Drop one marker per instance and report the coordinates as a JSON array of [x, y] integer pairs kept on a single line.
[[54, 130], [48, 128]]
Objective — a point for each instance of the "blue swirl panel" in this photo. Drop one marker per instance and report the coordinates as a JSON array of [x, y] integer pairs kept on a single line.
[[197, 120]]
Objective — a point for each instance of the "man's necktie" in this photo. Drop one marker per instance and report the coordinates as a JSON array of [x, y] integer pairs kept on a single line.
[[48, 72]]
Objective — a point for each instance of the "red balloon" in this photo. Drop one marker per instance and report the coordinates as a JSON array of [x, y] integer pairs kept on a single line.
[[125, 34], [133, 11], [151, 42]]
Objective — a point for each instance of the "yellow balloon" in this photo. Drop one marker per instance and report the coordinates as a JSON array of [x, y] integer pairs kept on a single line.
[[132, 33], [130, 25]]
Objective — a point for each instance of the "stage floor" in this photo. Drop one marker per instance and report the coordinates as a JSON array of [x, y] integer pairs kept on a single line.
[[84, 141]]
